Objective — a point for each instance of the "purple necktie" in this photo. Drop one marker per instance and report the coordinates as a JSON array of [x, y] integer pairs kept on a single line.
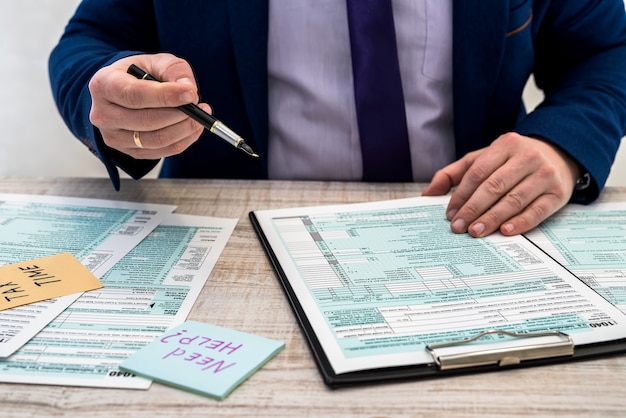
[[378, 92]]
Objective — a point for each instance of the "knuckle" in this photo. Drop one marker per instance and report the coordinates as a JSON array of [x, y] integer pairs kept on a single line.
[[146, 120], [164, 100], [194, 128], [523, 223], [112, 139], [476, 174], [100, 118], [495, 185], [528, 159], [131, 97], [548, 173], [159, 138], [515, 201], [558, 185], [534, 154], [108, 140], [472, 210], [490, 217], [94, 85], [95, 116], [536, 214], [177, 147], [510, 136], [508, 139]]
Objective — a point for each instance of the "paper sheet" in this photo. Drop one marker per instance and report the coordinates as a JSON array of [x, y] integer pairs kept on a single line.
[[590, 241], [96, 232], [381, 280], [150, 290]]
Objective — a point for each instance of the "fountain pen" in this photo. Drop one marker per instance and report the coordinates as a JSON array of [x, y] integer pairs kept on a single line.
[[202, 117]]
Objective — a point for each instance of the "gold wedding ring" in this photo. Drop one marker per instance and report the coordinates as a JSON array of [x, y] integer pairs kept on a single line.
[[137, 140]]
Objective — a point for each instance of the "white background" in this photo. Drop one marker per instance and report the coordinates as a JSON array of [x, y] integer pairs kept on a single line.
[[33, 139]]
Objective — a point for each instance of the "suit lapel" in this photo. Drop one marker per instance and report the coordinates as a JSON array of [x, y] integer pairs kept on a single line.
[[478, 46]]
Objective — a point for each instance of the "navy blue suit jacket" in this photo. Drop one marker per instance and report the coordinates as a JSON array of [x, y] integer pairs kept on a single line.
[[576, 50]]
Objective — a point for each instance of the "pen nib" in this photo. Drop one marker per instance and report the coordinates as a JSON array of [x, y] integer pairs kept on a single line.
[[246, 148]]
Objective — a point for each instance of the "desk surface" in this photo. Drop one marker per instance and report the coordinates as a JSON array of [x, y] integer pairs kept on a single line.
[[243, 293]]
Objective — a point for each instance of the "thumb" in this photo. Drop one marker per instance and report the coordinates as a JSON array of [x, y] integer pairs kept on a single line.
[[440, 184], [178, 84]]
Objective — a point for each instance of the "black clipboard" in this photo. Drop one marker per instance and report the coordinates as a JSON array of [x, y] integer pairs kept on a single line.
[[531, 356]]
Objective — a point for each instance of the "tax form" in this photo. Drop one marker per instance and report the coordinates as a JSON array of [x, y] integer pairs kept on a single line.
[[380, 281], [97, 232], [151, 289], [590, 241]]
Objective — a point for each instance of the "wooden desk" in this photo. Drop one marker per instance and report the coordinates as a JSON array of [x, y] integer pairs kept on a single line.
[[243, 293]]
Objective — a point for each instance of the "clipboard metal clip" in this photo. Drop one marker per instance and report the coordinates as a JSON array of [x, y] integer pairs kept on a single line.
[[507, 356]]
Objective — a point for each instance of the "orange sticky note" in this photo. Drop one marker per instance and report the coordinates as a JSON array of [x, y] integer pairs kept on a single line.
[[44, 278]]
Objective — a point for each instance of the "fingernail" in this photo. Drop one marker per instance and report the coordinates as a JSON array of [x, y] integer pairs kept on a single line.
[[451, 213], [508, 228], [185, 80], [188, 97], [458, 226], [478, 229]]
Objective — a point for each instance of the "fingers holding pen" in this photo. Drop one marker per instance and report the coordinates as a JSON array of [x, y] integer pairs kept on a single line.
[[115, 85], [156, 144], [130, 112], [161, 132]]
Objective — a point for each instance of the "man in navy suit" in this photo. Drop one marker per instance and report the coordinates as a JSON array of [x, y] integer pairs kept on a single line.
[[276, 73]]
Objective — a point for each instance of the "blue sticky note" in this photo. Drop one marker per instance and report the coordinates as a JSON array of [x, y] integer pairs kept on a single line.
[[202, 358]]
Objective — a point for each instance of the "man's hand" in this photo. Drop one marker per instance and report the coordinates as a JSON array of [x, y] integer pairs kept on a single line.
[[511, 185], [139, 117]]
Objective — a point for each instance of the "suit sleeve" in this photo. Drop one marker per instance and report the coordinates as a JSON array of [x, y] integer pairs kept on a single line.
[[100, 33], [580, 53]]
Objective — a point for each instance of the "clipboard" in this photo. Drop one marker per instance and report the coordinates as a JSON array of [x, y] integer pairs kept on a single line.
[[559, 349]]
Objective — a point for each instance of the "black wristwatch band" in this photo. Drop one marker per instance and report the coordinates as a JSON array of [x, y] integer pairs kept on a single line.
[[583, 182]]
